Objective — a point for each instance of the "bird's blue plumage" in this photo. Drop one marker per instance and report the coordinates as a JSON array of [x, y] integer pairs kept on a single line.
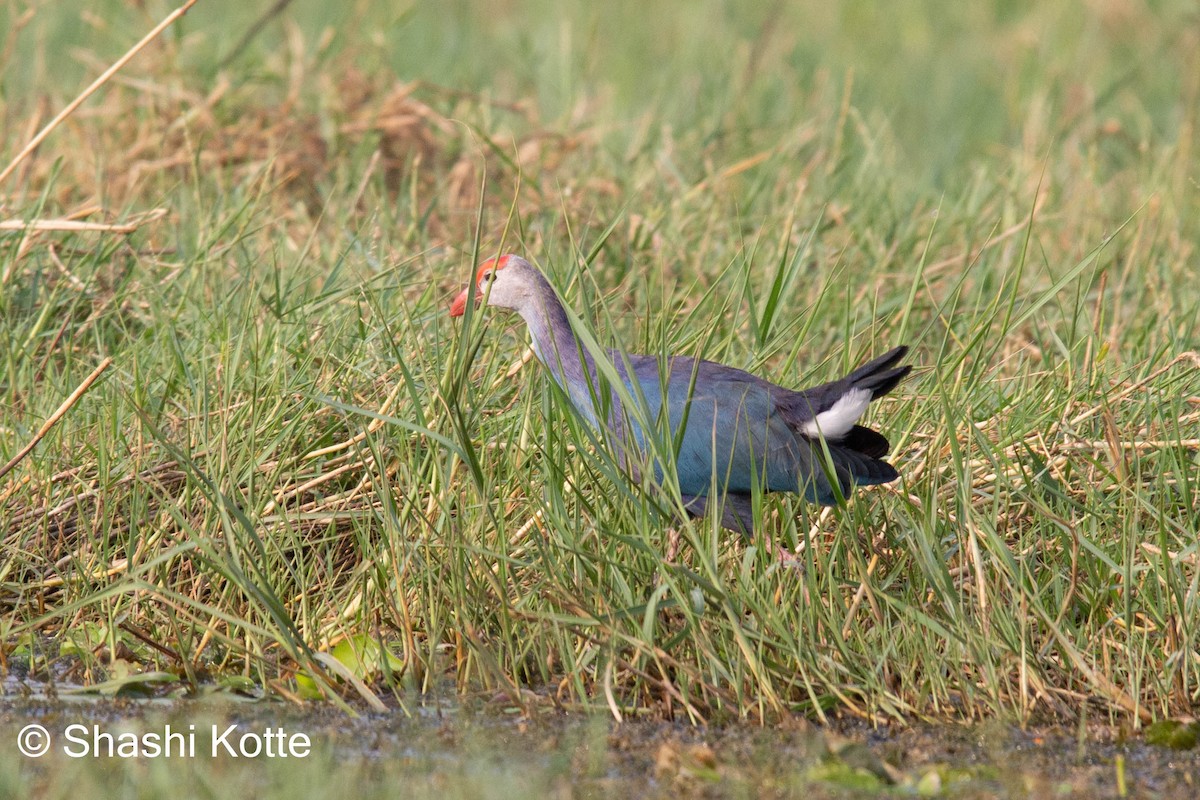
[[733, 435], [734, 431]]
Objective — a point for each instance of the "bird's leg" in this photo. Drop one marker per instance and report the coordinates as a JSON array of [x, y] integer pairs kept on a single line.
[[788, 559], [793, 559]]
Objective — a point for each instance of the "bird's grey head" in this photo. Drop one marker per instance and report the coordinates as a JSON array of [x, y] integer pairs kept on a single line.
[[505, 282]]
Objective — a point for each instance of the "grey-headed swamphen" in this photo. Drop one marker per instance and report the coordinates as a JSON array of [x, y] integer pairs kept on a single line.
[[739, 430]]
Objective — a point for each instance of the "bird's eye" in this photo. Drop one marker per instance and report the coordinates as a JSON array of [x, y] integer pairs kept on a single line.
[[489, 276]]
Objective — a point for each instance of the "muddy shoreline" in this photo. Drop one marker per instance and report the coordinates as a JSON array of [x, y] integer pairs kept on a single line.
[[438, 745]]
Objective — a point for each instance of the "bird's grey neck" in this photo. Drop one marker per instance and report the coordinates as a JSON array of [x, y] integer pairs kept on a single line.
[[554, 340], [568, 361]]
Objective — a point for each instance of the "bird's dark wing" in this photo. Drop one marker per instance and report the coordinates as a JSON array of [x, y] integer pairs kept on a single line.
[[733, 434]]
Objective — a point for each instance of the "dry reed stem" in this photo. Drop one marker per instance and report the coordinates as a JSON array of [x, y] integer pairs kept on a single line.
[[76, 226], [283, 495], [1190, 355], [728, 172], [1191, 559], [374, 425], [513, 369], [859, 595], [167, 471], [58, 414], [93, 88], [971, 257]]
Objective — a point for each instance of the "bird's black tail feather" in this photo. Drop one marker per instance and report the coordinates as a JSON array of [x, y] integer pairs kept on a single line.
[[880, 375], [857, 456]]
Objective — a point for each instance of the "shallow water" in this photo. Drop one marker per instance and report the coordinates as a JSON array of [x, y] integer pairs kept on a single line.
[[228, 748]]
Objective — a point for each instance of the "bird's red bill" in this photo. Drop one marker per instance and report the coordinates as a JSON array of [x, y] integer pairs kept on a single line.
[[458, 306]]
